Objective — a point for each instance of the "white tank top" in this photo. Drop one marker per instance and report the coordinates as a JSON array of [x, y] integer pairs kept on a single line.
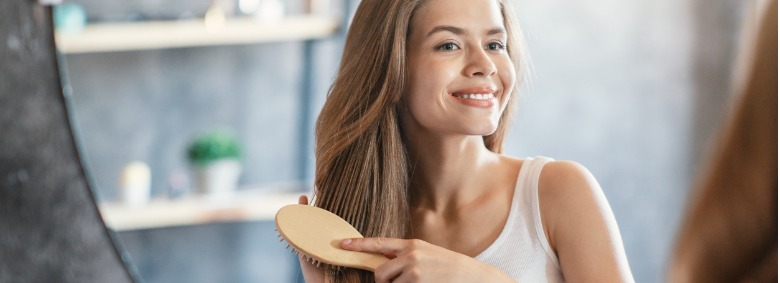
[[521, 250]]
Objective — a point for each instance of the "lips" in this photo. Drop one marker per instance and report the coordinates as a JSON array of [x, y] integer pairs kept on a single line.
[[479, 96]]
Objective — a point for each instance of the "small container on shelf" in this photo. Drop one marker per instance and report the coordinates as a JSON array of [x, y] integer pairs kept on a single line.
[[135, 184]]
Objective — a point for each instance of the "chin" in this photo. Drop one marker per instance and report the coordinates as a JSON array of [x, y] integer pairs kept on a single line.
[[483, 130]]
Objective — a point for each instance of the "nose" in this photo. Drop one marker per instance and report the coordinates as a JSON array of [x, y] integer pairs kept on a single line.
[[479, 64]]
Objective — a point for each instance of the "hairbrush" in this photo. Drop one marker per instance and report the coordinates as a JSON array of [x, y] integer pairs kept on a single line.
[[316, 234]]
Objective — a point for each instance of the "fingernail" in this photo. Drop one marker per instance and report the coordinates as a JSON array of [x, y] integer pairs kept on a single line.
[[346, 242]]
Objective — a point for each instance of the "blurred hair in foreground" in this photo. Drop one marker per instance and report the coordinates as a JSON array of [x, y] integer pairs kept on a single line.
[[730, 228]]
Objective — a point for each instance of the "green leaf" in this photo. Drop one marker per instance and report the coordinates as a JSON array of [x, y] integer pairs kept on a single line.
[[213, 146]]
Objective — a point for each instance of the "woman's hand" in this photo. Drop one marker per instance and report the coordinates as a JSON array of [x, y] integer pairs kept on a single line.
[[311, 273], [420, 261]]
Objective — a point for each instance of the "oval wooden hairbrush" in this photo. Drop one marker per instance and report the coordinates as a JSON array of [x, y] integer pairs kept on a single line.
[[317, 233]]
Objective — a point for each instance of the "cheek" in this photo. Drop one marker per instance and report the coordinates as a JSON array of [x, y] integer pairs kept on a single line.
[[508, 77], [428, 81], [507, 73], [426, 95]]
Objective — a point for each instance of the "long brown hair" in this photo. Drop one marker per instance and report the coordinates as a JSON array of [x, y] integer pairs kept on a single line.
[[362, 170], [730, 232]]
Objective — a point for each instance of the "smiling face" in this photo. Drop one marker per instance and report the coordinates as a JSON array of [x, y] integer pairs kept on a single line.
[[460, 73]]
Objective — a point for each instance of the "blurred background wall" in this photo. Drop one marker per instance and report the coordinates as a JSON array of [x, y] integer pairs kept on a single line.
[[632, 90], [149, 105]]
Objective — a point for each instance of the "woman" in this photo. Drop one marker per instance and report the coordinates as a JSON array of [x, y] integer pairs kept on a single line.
[[409, 148]]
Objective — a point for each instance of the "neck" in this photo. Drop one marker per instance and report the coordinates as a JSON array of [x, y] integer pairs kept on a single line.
[[447, 171]]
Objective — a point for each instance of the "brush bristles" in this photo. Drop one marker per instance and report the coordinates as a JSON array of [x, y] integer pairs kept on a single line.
[[303, 255]]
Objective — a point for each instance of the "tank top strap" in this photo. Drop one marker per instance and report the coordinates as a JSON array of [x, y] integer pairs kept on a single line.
[[529, 181], [522, 250]]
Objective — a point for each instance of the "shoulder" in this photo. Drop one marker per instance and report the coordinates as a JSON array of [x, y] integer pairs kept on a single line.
[[513, 163], [566, 175], [569, 194], [507, 169], [579, 224], [564, 182]]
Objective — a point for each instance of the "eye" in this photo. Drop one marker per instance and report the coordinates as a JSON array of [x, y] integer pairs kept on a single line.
[[496, 46], [447, 47]]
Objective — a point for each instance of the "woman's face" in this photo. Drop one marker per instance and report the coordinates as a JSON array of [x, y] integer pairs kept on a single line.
[[460, 74]]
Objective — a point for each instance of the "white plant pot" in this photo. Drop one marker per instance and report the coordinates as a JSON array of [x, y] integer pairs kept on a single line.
[[219, 178]]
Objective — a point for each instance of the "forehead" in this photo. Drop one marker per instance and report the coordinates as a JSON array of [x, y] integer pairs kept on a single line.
[[467, 14]]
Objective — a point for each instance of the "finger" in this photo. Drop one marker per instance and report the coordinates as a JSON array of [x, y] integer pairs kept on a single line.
[[390, 270], [406, 277], [303, 199], [386, 246], [402, 278]]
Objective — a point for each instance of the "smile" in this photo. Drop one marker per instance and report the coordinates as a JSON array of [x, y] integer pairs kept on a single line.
[[483, 96], [479, 100], [478, 96]]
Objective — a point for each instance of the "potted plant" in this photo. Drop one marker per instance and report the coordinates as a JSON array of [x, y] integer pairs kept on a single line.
[[216, 158]]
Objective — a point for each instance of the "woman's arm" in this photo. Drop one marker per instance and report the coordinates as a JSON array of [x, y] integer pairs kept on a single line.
[[580, 226]]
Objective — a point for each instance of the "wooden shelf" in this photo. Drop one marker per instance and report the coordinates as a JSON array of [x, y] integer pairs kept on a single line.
[[243, 205], [188, 33]]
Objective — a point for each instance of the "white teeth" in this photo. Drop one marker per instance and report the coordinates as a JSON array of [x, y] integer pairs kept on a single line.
[[478, 96]]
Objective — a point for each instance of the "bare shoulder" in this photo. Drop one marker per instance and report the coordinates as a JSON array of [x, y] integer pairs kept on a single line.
[[566, 175], [567, 190], [563, 182], [510, 166], [579, 223], [510, 160]]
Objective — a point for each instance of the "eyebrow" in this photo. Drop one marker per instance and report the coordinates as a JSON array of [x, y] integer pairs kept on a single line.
[[460, 31], [496, 31]]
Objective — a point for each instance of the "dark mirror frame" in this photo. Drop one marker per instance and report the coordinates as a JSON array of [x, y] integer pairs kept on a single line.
[[51, 227]]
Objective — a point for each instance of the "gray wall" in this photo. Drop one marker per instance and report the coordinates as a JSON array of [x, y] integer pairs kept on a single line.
[[632, 90], [148, 105], [153, 105]]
